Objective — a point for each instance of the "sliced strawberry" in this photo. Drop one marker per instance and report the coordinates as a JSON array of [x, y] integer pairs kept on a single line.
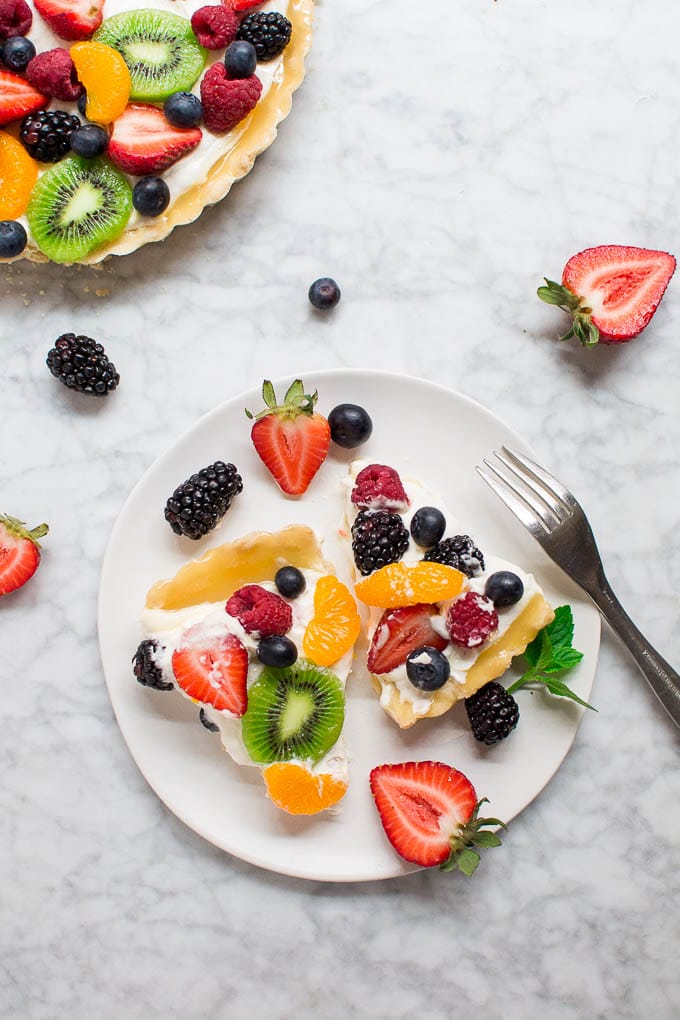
[[71, 19], [212, 670], [242, 5], [292, 439], [611, 292], [19, 553], [17, 97], [429, 812], [398, 633], [144, 142]]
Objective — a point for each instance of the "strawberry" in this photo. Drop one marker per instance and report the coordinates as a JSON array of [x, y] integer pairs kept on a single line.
[[292, 439], [17, 97], [611, 292], [212, 670], [72, 19], [243, 5], [398, 633], [429, 812], [19, 553], [144, 142]]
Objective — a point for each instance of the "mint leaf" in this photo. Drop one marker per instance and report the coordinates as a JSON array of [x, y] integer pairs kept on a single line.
[[560, 689], [561, 630], [552, 653]]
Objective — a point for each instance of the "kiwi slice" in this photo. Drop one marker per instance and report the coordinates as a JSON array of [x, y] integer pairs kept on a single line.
[[77, 205], [160, 50], [293, 713]]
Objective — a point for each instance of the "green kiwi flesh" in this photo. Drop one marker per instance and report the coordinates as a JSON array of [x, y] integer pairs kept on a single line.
[[293, 714], [160, 50], [77, 205]]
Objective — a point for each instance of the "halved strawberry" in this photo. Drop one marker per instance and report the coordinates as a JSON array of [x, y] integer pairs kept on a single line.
[[398, 633], [242, 5], [611, 292], [17, 97], [19, 553], [292, 439], [144, 142], [212, 670], [71, 19], [429, 812]]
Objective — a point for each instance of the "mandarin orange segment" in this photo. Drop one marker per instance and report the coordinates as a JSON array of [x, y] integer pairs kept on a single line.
[[400, 585], [18, 174], [106, 78], [335, 625], [295, 789]]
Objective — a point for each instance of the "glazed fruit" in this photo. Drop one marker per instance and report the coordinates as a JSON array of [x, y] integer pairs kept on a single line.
[[18, 97], [291, 439], [71, 19], [504, 588], [143, 142], [53, 72], [19, 553], [46, 134], [427, 668], [13, 239], [351, 426], [493, 713], [17, 53], [277, 651], [18, 174], [430, 814], [160, 50], [428, 525], [183, 109], [15, 19], [260, 611], [294, 713], [290, 582], [227, 102], [268, 31], [82, 364], [295, 789], [335, 625], [398, 633], [471, 620], [212, 670], [378, 537], [240, 60], [199, 504], [78, 205], [459, 552], [400, 585], [324, 293], [89, 141], [106, 79], [379, 487], [215, 26], [146, 669], [610, 292], [151, 196]]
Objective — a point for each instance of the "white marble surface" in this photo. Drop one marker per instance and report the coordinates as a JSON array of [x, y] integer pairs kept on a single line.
[[438, 167]]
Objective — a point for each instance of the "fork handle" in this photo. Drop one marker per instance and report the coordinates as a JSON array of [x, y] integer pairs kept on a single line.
[[660, 676]]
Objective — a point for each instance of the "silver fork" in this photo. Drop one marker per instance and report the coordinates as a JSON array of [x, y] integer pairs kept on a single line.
[[559, 525]]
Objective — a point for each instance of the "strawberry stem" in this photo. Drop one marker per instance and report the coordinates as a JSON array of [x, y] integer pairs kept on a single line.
[[19, 529], [473, 834], [295, 402], [582, 325]]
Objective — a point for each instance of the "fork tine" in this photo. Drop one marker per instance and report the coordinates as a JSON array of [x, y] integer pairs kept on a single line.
[[526, 492], [512, 500], [532, 489], [556, 489]]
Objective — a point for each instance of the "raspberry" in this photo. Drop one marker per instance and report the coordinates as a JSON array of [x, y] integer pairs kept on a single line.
[[459, 552], [15, 18], [227, 102], [493, 713], [260, 611], [378, 538], [378, 487], [53, 73], [471, 619], [215, 27]]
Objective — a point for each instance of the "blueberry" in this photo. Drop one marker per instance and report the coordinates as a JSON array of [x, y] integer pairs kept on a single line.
[[324, 293], [209, 725], [17, 52], [89, 141], [290, 582], [13, 239], [183, 109], [150, 196], [277, 651], [427, 668], [240, 59], [350, 425], [504, 588], [82, 103], [428, 524]]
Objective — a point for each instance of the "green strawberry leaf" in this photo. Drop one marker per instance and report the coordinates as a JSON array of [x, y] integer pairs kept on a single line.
[[467, 861]]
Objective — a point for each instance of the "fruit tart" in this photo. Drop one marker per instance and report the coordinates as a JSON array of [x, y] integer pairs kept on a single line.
[[445, 617], [259, 634], [120, 120]]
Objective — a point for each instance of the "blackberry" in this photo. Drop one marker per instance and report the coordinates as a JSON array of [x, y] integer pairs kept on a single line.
[[81, 364], [268, 31], [378, 538], [459, 552], [209, 725], [493, 713], [146, 669], [199, 504], [46, 134]]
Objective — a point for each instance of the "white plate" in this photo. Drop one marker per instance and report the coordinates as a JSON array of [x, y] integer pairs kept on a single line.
[[424, 430]]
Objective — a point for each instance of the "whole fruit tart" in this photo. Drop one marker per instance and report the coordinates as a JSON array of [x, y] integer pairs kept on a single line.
[[122, 119]]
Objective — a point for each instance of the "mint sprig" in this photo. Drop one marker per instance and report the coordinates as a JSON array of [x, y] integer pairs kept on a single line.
[[550, 655]]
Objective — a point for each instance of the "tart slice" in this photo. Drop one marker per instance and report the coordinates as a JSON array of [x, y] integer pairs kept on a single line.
[[444, 617], [259, 634]]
